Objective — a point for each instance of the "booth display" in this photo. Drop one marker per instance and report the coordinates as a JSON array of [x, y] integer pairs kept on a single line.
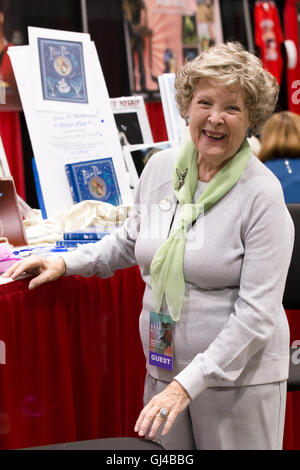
[[71, 365], [68, 132]]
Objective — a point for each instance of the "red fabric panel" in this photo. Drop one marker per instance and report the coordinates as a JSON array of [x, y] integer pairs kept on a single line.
[[157, 121], [10, 131], [292, 434], [74, 363]]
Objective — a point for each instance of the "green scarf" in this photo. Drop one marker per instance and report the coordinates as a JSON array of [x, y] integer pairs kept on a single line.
[[166, 269]]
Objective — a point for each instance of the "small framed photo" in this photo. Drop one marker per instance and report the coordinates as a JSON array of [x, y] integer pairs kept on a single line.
[[137, 156], [131, 120]]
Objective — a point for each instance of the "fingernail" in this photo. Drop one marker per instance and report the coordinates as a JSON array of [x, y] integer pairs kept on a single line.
[[141, 433], [136, 429]]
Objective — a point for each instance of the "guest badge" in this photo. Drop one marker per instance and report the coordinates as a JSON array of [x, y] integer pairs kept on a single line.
[[161, 340]]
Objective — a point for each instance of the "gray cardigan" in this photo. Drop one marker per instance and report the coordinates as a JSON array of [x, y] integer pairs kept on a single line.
[[233, 329]]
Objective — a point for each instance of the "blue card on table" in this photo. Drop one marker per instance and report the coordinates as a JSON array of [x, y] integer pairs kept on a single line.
[[62, 70], [94, 179]]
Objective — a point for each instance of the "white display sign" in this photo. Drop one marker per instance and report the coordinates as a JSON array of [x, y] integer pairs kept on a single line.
[[59, 138]]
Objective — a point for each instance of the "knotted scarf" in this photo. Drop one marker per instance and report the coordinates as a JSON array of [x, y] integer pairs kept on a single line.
[[166, 270]]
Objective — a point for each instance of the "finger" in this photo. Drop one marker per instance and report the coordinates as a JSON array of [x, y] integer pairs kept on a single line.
[[158, 421], [142, 415], [170, 420], [38, 281], [147, 419], [16, 270]]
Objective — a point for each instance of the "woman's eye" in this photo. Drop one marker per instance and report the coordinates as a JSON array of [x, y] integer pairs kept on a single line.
[[233, 108], [206, 103]]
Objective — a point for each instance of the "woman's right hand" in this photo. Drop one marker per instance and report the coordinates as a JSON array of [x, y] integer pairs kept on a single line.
[[45, 269]]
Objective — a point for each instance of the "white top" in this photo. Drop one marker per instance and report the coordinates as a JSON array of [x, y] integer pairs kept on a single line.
[[233, 329]]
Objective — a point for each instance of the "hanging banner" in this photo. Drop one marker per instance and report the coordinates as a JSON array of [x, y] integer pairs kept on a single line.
[[292, 31], [162, 34], [269, 37]]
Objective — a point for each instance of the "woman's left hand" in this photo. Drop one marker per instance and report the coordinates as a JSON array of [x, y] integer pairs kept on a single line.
[[173, 398]]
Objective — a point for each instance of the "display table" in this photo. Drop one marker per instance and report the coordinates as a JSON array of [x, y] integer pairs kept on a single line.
[[74, 363], [74, 367]]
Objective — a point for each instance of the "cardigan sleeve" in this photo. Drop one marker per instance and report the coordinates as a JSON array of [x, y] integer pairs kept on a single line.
[[268, 236]]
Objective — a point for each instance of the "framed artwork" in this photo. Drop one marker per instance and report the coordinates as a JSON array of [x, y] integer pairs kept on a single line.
[[131, 120], [161, 34], [61, 71]]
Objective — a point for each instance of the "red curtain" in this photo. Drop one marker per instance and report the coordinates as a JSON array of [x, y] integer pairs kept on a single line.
[[157, 121], [74, 364], [74, 367]]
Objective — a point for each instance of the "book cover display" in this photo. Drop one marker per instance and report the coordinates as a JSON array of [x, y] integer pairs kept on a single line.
[[52, 77], [94, 179], [62, 70]]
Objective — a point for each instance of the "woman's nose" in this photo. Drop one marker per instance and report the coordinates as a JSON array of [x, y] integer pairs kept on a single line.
[[216, 117]]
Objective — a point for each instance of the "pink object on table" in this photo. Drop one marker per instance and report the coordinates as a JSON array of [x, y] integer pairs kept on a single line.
[[7, 258]]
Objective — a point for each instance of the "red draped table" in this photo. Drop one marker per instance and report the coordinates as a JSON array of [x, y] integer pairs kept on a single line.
[[71, 361], [74, 367]]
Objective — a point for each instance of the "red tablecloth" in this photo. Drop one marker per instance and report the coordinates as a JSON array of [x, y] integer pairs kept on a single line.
[[74, 363], [74, 367]]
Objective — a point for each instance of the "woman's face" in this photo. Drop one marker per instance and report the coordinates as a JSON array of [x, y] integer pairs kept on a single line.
[[219, 121]]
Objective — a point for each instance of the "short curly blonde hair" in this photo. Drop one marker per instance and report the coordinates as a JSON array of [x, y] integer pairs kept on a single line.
[[231, 65]]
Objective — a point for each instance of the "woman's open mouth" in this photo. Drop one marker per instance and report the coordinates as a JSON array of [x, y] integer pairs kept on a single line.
[[214, 135]]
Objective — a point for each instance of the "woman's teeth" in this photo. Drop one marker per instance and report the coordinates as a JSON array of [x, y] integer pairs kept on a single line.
[[214, 136]]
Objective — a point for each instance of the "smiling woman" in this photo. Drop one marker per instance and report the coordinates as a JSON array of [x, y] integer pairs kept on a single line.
[[219, 121], [215, 336]]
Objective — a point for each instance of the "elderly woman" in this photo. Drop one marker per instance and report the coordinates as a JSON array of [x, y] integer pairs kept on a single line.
[[212, 236]]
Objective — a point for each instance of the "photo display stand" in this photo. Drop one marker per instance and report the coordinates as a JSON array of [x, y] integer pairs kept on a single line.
[[174, 122], [64, 131], [131, 120], [137, 156]]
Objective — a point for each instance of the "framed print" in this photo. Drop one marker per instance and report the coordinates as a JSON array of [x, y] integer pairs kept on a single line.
[[61, 71], [131, 120], [157, 32]]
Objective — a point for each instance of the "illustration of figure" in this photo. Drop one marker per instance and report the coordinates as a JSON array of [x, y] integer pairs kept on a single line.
[[166, 338], [136, 15], [97, 188]]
